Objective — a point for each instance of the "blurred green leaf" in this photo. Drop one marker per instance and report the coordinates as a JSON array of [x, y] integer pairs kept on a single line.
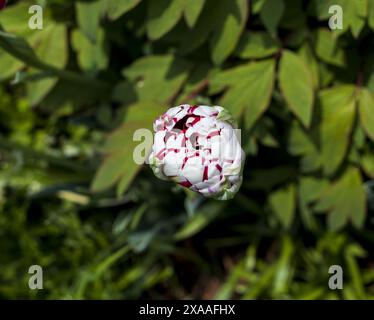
[[306, 53], [250, 88], [256, 45], [91, 55], [367, 163], [269, 178], [310, 188], [257, 5], [88, 18], [271, 14], [15, 19], [119, 164], [163, 15], [284, 270], [328, 49], [354, 13], [371, 14], [229, 30], [366, 110], [158, 78], [118, 8], [199, 220], [192, 10], [282, 202], [205, 24], [345, 200], [358, 13], [53, 50], [353, 252], [303, 143], [8, 65], [296, 84], [20, 49], [115, 167], [309, 191], [338, 114]]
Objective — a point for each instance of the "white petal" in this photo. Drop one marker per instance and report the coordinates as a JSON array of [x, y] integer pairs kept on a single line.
[[159, 143], [193, 171], [205, 111], [172, 164], [174, 141]]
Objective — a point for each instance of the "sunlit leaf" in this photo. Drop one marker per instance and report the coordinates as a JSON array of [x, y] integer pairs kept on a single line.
[[250, 89], [345, 200], [295, 81], [118, 8], [366, 110], [163, 16], [338, 114], [227, 35], [192, 10]]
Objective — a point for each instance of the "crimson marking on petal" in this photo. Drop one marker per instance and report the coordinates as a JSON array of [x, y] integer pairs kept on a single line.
[[160, 152], [170, 134], [205, 174], [196, 154], [195, 120], [219, 167], [184, 139], [165, 152], [192, 109], [184, 162], [229, 161], [185, 184], [213, 134], [172, 150], [161, 157]]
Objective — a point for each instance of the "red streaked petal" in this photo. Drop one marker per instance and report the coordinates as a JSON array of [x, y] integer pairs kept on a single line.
[[192, 109], [213, 134], [185, 184], [205, 174]]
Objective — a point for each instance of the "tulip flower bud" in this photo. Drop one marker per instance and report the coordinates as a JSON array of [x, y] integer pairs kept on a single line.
[[199, 148]]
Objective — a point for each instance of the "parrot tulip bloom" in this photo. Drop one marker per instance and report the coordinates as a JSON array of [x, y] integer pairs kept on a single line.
[[198, 148]]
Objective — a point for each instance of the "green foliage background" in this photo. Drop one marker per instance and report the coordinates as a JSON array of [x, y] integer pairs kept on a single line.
[[73, 201]]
